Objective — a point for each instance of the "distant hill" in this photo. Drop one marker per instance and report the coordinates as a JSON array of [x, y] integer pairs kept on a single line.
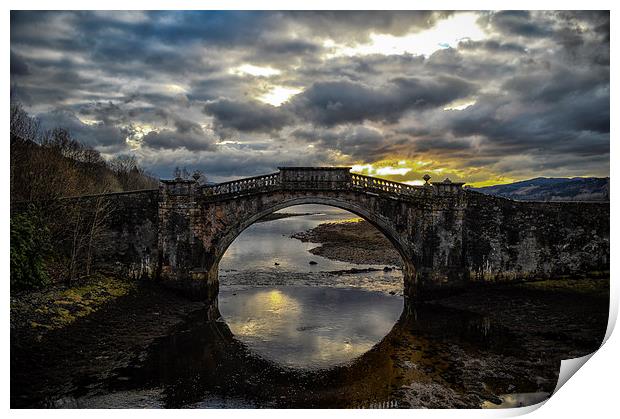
[[552, 189]]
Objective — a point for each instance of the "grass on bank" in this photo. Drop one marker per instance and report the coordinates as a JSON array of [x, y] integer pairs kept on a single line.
[[59, 306], [593, 285]]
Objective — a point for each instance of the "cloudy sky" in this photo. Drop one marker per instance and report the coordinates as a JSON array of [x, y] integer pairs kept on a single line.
[[484, 97]]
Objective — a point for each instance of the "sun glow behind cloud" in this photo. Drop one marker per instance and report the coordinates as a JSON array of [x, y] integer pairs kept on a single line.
[[278, 95], [383, 170], [445, 34], [389, 170], [459, 105], [411, 172], [175, 88], [254, 70], [137, 133]]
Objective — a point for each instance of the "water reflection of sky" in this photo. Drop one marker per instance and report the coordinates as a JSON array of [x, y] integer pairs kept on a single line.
[[309, 327], [262, 245]]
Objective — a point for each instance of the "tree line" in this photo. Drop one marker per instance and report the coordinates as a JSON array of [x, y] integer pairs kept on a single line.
[[53, 237], [51, 164]]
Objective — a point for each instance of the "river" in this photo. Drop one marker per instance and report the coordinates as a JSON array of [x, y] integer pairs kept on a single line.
[[299, 313], [334, 334]]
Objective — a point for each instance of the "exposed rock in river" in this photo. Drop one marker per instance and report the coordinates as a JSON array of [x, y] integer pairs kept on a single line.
[[352, 241]]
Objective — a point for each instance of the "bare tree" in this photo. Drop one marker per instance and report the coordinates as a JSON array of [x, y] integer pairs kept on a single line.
[[76, 245], [61, 141], [101, 212], [23, 126]]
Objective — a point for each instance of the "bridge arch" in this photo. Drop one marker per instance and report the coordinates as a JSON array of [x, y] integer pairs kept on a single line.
[[384, 226], [241, 213]]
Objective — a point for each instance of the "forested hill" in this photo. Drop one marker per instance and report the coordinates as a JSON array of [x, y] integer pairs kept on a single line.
[[53, 164], [553, 189]]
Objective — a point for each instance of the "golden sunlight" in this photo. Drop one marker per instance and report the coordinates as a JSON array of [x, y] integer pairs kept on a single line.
[[414, 182], [411, 172], [389, 170]]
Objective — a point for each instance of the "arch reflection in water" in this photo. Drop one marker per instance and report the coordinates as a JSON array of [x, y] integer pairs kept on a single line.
[[424, 361], [309, 327], [302, 314]]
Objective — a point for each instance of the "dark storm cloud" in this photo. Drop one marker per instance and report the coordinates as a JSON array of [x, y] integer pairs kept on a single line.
[[248, 116], [332, 103], [444, 144], [187, 134], [493, 46], [193, 140], [536, 84], [574, 125], [519, 22], [338, 102], [553, 86], [18, 66], [107, 113], [185, 126], [359, 141], [104, 135], [356, 26]]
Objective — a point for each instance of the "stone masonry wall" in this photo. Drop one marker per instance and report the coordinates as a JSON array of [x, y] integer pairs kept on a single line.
[[127, 240], [128, 245], [510, 240]]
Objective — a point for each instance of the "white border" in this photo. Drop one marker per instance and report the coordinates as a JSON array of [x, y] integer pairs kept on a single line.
[[592, 393]]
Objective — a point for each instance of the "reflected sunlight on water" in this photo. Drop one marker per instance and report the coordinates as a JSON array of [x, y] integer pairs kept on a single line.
[[309, 327]]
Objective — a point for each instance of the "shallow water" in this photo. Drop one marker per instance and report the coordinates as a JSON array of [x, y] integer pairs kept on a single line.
[[204, 364], [309, 327], [264, 244], [296, 313]]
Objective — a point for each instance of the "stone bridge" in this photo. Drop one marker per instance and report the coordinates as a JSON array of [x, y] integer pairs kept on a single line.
[[424, 223], [448, 237]]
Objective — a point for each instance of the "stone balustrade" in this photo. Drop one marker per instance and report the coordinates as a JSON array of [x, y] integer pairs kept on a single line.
[[315, 178], [382, 185], [257, 183]]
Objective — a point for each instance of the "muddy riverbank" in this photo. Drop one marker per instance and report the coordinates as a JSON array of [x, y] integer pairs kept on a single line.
[[153, 348], [52, 359], [354, 241]]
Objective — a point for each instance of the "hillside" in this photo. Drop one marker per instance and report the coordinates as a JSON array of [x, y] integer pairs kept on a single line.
[[53, 164], [552, 189]]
